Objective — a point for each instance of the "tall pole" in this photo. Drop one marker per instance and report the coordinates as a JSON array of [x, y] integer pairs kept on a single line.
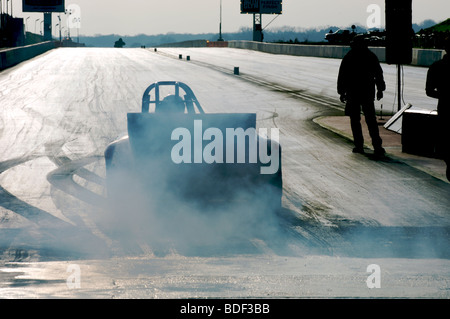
[[399, 86], [257, 27], [69, 12], [59, 18], [35, 21], [26, 27], [220, 24], [47, 26]]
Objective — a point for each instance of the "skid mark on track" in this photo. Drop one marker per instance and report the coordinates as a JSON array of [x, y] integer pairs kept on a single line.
[[45, 236], [14, 204], [272, 86], [62, 178]]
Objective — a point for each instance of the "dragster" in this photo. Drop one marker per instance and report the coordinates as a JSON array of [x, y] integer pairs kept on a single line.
[[176, 151]]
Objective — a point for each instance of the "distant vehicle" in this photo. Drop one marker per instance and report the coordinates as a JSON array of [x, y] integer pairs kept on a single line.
[[376, 33], [375, 37], [119, 43], [375, 41], [341, 36]]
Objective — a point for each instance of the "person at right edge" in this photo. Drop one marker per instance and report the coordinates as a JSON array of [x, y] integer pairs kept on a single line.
[[359, 74], [438, 86]]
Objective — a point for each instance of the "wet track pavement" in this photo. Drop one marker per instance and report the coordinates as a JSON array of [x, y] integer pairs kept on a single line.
[[341, 211]]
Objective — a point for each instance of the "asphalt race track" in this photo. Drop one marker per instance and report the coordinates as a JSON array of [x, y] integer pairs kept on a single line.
[[341, 211]]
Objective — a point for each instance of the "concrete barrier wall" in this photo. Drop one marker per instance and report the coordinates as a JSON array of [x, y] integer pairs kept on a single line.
[[13, 56], [421, 57], [217, 44], [185, 44], [322, 51]]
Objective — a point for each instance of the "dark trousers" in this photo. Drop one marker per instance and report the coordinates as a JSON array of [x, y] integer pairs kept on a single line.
[[353, 109], [443, 141]]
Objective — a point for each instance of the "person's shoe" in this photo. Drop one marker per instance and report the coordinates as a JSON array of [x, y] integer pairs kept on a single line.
[[358, 150], [379, 152]]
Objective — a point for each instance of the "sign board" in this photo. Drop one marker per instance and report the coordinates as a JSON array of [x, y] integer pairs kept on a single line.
[[250, 6], [399, 34], [271, 7], [43, 6], [261, 6]]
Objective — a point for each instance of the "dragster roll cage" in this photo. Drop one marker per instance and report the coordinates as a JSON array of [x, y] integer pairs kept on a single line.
[[189, 98]]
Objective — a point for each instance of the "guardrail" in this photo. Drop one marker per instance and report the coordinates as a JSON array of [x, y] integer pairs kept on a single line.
[[195, 44], [13, 56], [185, 44], [421, 57]]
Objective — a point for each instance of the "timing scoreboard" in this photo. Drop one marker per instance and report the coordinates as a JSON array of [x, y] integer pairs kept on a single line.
[[262, 6], [43, 6]]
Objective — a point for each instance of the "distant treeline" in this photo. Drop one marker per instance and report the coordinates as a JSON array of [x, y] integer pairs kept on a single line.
[[283, 35]]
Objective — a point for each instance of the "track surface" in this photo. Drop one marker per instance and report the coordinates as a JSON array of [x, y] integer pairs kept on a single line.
[[341, 211]]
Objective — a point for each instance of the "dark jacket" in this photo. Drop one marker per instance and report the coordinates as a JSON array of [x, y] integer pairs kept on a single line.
[[438, 84], [360, 72]]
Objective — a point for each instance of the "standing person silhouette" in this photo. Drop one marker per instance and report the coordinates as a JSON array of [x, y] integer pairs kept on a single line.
[[360, 72], [438, 86]]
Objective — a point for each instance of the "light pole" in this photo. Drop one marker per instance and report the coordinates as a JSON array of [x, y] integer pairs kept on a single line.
[[35, 21], [78, 30], [68, 11], [220, 24], [59, 17], [7, 3], [26, 27], [26, 24]]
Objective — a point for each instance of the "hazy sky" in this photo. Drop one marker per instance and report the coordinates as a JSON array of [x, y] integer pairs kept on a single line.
[[131, 17]]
